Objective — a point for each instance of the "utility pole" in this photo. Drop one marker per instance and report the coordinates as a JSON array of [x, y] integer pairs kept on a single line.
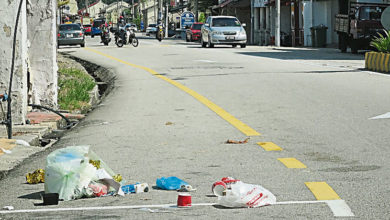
[[132, 10], [166, 20], [196, 10], [277, 24]]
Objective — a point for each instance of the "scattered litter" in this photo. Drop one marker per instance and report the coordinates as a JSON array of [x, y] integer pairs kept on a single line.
[[184, 200], [76, 172], [237, 142], [239, 194], [22, 142], [383, 116], [5, 151], [219, 187], [8, 207], [117, 178], [50, 198], [170, 183], [38, 176], [186, 188], [169, 123], [135, 188]]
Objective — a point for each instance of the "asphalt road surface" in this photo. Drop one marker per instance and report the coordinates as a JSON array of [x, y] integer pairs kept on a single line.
[[307, 112]]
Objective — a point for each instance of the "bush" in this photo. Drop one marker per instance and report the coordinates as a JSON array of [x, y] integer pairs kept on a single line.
[[74, 87], [382, 43]]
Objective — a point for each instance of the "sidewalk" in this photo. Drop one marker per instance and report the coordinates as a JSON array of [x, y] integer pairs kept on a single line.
[[29, 139]]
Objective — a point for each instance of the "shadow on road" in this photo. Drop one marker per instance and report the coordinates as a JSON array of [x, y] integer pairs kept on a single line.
[[36, 195], [305, 54]]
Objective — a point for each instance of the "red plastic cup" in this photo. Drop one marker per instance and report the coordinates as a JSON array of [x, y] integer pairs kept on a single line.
[[184, 200], [218, 188]]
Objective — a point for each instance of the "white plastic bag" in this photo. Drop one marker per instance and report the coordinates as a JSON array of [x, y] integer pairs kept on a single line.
[[69, 172], [246, 195]]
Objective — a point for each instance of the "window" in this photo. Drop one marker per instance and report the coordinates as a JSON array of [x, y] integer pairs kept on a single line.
[[226, 22], [70, 27], [370, 13], [197, 26]]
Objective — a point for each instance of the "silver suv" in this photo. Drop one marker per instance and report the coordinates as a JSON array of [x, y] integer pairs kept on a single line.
[[223, 30]]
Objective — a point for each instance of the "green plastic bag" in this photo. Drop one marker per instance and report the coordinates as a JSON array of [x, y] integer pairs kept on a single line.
[[68, 171]]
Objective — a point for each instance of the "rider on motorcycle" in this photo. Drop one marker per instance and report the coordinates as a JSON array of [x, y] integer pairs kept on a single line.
[[160, 30], [105, 30]]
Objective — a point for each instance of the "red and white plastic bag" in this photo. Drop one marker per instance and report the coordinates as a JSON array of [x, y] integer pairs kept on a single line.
[[242, 194]]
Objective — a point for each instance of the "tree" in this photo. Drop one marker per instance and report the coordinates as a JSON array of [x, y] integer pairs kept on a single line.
[[61, 3]]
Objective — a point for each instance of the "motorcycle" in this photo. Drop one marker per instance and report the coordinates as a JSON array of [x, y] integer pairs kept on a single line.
[[160, 32], [106, 37], [122, 35], [132, 38]]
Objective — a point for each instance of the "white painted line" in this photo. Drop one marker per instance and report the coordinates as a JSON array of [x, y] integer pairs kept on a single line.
[[100, 208], [300, 202], [205, 61], [340, 208], [383, 116]]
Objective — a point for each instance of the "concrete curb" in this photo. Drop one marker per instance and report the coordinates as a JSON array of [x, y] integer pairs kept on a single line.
[[377, 61], [43, 126]]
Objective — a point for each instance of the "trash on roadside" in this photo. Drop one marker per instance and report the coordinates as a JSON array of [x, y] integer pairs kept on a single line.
[[22, 142], [8, 207], [117, 178], [5, 151], [50, 198], [75, 172], [38, 176], [239, 194], [219, 187], [169, 123], [184, 200], [186, 188], [170, 183], [237, 142], [135, 188]]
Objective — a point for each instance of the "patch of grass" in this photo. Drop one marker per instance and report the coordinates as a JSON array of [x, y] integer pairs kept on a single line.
[[74, 87]]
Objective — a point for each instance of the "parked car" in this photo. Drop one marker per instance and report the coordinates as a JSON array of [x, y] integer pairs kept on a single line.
[[132, 27], [193, 33], [223, 30], [87, 29], [70, 34], [151, 29]]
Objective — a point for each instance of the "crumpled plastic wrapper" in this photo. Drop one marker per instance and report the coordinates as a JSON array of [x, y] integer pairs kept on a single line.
[[118, 178], [38, 176], [95, 163]]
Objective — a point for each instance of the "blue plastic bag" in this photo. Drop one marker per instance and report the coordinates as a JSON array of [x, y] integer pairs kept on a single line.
[[170, 183]]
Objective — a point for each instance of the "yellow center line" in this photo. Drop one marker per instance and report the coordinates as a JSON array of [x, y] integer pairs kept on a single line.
[[292, 163], [322, 191], [269, 146], [248, 131]]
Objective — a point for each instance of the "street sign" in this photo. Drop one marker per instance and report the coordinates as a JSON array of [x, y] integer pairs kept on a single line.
[[187, 18], [260, 3]]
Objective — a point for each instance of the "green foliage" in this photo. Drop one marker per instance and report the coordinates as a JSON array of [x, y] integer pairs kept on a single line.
[[137, 21], [74, 87], [202, 17], [62, 3], [382, 43]]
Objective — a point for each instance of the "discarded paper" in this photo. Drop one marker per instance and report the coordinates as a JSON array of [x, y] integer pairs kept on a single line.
[[237, 142]]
